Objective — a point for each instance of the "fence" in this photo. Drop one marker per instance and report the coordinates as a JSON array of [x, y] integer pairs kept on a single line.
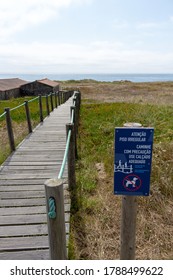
[[54, 188], [53, 100], [54, 191]]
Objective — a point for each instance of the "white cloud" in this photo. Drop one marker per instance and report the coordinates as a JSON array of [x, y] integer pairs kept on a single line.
[[96, 57], [18, 15]]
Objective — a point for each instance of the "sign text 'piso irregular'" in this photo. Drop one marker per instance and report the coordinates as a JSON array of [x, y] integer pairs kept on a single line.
[[132, 161]]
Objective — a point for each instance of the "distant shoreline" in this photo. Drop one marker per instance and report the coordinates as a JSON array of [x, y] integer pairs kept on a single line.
[[136, 78]]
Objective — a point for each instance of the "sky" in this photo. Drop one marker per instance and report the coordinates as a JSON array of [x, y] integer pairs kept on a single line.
[[86, 36]]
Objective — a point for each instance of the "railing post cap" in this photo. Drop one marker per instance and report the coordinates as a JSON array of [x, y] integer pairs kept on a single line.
[[54, 182]]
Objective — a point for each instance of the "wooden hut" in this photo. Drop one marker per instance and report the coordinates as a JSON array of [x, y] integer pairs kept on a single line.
[[10, 88], [43, 87]]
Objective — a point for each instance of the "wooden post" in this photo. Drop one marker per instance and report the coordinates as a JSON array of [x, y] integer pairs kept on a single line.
[[75, 129], [56, 104], [60, 99], [51, 101], [65, 96], [58, 93], [10, 129], [41, 108], [128, 227], [28, 117], [71, 157], [77, 111], [47, 105], [56, 226], [128, 221], [74, 100]]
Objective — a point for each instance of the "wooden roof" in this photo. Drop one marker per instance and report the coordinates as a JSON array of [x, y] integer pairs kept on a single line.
[[48, 82], [8, 84]]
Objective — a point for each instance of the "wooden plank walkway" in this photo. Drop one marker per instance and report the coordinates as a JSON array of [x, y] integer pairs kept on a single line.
[[23, 220]]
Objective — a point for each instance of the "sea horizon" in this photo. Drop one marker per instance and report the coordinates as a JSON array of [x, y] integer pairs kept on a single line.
[[148, 77]]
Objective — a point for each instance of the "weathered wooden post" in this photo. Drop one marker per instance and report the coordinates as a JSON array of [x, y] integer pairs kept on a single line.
[[56, 219], [128, 227], [59, 102], [28, 118], [51, 101], [56, 104], [132, 168], [47, 105], [65, 96], [40, 108], [77, 105], [10, 129], [62, 97], [71, 157], [74, 101], [128, 221], [73, 110]]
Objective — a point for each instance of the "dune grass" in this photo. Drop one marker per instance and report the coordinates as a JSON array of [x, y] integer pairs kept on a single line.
[[96, 216], [19, 123], [96, 224]]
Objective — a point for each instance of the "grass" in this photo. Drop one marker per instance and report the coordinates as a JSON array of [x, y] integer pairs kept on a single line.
[[19, 123], [19, 115], [100, 120], [96, 224], [124, 91]]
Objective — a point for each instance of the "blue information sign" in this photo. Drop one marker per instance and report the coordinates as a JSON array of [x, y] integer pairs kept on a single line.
[[132, 162]]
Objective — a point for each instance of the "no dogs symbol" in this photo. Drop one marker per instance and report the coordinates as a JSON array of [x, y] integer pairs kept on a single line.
[[132, 182]]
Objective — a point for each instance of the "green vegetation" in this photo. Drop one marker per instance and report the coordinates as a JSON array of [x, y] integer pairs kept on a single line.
[[99, 120], [19, 123], [98, 215], [95, 222], [19, 114]]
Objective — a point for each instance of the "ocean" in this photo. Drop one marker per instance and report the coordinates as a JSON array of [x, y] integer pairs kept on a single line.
[[137, 78]]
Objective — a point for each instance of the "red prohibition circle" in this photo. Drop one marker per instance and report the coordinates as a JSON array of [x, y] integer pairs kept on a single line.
[[129, 182]]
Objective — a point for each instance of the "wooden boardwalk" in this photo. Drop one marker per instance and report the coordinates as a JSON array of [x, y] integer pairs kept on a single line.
[[23, 219]]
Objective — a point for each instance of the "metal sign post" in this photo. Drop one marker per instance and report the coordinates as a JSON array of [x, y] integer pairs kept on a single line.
[[132, 168]]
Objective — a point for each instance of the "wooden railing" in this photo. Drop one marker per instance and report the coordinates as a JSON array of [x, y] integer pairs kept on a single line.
[[54, 188], [53, 100]]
